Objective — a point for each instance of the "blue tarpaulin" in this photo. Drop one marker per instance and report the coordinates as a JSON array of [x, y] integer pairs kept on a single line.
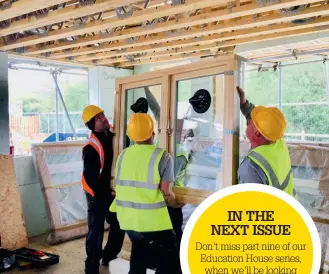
[[66, 137]]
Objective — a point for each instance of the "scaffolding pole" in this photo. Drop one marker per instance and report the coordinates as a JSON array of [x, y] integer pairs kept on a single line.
[[59, 93], [56, 106], [327, 77]]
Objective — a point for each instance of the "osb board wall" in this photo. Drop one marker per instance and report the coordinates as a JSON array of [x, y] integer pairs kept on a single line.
[[12, 226]]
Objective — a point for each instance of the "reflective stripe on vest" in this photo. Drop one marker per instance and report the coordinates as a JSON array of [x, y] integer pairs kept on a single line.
[[93, 141], [96, 144], [139, 203], [273, 177], [144, 185]]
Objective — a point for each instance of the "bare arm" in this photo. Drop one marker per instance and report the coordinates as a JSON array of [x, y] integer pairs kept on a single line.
[[245, 106], [153, 103], [166, 169]]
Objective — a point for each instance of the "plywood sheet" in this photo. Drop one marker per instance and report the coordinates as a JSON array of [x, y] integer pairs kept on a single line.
[[12, 226]]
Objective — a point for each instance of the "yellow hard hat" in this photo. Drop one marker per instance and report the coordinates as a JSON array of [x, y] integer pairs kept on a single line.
[[269, 121], [90, 112], [140, 127]]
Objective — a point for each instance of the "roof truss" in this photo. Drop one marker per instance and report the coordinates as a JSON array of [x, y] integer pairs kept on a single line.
[[124, 33]]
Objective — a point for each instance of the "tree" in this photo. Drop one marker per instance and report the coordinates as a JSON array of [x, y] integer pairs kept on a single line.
[[301, 84], [35, 105], [76, 96]]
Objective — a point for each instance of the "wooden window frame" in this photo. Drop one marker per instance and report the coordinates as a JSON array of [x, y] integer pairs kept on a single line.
[[230, 66]]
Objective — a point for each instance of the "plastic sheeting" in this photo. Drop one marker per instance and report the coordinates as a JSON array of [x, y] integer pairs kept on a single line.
[[59, 168], [310, 164], [311, 177], [203, 169]]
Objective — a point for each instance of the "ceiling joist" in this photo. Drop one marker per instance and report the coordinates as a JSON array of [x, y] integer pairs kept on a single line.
[[204, 18], [10, 9], [64, 14], [247, 38], [221, 34], [95, 26], [167, 59], [126, 33], [183, 51]]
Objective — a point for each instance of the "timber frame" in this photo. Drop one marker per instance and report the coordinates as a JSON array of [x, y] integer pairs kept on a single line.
[[127, 33], [229, 66]]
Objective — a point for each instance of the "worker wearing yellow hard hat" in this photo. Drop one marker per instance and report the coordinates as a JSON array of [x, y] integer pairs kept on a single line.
[[143, 184], [96, 180], [268, 161], [180, 164]]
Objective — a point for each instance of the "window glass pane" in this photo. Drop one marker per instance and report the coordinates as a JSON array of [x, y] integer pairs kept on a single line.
[[31, 99], [145, 99], [305, 102], [262, 88], [74, 89], [199, 135], [32, 107]]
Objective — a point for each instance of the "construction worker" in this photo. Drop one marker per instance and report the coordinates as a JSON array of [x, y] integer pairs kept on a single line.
[[182, 156], [268, 161], [96, 180], [143, 177]]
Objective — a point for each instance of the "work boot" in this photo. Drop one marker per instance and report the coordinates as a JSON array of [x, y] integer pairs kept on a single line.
[[91, 268], [106, 260], [92, 271]]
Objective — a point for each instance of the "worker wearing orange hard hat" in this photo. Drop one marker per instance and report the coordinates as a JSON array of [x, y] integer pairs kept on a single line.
[[268, 161], [143, 183], [96, 182]]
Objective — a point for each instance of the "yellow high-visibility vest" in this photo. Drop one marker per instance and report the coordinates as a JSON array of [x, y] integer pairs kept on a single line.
[[139, 203], [274, 160]]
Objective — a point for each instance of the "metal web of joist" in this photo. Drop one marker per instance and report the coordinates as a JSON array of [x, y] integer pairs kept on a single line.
[[132, 32]]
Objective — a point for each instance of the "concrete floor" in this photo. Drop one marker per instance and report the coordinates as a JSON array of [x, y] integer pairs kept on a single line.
[[72, 255]]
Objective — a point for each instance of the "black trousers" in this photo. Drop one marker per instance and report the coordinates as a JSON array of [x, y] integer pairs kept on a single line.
[[176, 216], [163, 244], [98, 212]]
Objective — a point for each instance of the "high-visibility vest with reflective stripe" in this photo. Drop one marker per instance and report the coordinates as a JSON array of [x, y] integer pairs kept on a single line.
[[274, 160], [96, 144], [139, 203]]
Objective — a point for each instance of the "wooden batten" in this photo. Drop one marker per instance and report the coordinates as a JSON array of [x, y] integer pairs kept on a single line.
[[26, 6]]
